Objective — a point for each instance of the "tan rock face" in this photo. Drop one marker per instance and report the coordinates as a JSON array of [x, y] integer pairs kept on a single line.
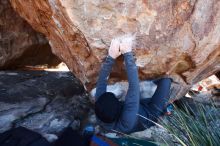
[[181, 37], [20, 44]]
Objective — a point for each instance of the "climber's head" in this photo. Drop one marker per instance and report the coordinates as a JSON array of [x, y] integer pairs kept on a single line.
[[108, 107]]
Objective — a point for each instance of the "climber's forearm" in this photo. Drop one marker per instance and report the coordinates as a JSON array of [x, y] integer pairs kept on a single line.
[[103, 76]]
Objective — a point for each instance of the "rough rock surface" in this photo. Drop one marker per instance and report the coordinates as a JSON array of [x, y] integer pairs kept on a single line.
[[181, 37], [20, 44], [45, 102]]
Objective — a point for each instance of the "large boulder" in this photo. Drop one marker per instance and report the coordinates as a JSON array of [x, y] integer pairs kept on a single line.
[[46, 102], [20, 44], [181, 37]]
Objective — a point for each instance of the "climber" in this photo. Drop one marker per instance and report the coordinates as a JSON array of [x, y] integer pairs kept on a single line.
[[133, 114]]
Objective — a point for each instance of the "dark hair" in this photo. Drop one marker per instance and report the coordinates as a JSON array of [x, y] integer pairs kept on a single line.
[[108, 108]]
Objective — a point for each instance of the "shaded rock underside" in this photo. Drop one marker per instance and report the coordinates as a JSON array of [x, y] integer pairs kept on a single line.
[[20, 44]]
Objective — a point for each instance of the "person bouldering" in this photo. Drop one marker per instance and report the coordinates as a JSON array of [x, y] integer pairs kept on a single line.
[[133, 114]]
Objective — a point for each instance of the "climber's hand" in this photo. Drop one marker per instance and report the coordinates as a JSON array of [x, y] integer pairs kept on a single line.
[[127, 42], [114, 50]]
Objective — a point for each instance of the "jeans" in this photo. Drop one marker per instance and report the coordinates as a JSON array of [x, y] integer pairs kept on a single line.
[[152, 108]]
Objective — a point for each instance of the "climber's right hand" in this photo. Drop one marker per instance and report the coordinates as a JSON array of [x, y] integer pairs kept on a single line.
[[114, 50], [127, 43]]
